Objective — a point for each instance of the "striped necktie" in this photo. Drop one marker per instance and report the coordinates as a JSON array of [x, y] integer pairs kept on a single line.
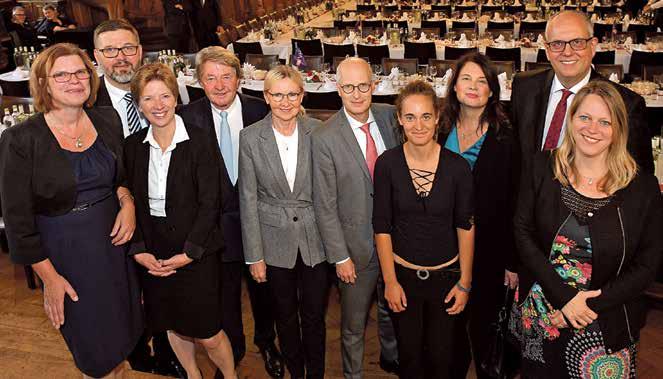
[[133, 119]]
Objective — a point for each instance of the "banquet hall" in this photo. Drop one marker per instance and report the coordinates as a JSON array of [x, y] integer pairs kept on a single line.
[[402, 41]]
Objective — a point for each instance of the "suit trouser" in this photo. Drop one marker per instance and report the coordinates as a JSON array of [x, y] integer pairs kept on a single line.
[[356, 300], [300, 299], [231, 303]]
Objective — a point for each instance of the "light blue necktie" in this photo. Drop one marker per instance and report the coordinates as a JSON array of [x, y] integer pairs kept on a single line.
[[226, 146]]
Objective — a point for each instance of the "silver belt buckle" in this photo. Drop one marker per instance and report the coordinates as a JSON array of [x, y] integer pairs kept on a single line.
[[423, 274]]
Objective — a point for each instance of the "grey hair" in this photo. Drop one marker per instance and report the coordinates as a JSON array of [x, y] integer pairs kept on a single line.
[[351, 60], [15, 9], [582, 15]]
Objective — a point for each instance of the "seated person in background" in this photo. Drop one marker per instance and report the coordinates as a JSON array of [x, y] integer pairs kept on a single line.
[[53, 22], [27, 36]]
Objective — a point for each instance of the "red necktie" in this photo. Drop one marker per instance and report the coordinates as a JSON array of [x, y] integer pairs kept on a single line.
[[371, 150], [557, 121]]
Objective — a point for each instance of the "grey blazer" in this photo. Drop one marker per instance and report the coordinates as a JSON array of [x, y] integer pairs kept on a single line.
[[343, 188], [277, 222]]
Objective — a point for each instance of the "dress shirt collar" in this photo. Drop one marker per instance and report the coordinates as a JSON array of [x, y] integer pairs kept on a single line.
[[557, 85], [354, 124], [231, 109], [180, 135], [114, 92]]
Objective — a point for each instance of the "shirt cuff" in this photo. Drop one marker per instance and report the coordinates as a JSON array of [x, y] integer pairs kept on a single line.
[[250, 263], [343, 261]]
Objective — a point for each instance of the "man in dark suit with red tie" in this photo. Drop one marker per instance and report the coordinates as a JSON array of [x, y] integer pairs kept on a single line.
[[224, 112], [540, 99]]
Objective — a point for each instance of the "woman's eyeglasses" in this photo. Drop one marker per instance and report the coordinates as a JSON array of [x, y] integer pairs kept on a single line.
[[292, 96], [63, 76]]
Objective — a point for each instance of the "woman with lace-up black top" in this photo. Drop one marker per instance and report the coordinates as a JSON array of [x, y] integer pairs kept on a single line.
[[423, 222]]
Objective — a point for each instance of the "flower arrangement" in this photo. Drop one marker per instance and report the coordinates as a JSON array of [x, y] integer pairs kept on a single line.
[[270, 30]]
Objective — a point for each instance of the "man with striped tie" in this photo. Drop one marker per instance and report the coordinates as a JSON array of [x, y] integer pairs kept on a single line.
[[118, 52]]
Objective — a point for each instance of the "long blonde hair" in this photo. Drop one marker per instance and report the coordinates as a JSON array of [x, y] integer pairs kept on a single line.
[[621, 165]]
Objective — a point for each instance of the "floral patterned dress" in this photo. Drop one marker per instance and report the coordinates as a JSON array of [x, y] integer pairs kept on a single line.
[[549, 352]]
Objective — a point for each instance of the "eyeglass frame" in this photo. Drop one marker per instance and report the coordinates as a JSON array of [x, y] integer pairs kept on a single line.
[[70, 74], [123, 49], [279, 97], [355, 87], [585, 40]]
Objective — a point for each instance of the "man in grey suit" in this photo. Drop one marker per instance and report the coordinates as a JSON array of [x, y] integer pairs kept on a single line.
[[344, 151]]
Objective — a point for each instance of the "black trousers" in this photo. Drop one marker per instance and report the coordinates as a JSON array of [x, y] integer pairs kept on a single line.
[[300, 295], [231, 305], [430, 341]]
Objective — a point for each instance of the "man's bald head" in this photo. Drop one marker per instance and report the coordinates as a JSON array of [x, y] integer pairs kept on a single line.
[[353, 64], [569, 16]]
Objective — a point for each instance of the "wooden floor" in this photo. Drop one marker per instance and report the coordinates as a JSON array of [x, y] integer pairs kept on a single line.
[[31, 348]]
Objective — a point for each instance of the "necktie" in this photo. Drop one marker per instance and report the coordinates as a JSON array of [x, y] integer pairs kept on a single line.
[[557, 121], [371, 150], [226, 146], [133, 119]]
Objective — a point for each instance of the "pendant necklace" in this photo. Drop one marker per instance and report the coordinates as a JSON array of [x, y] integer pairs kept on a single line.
[[77, 140]]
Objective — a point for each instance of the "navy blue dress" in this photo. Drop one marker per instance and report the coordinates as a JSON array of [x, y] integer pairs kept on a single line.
[[103, 326]]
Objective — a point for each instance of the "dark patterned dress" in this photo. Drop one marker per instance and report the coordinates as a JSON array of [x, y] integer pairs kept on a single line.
[[549, 352]]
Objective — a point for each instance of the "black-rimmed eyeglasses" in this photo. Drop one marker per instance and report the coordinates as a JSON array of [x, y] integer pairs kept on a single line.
[[350, 88], [63, 76], [112, 52], [576, 44]]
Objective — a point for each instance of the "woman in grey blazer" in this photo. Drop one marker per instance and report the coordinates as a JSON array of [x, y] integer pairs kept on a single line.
[[279, 232]]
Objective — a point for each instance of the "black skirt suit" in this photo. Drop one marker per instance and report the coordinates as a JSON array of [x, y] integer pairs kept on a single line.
[[187, 301]]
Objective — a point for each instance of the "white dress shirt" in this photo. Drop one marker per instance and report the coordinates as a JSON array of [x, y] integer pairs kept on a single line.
[[288, 152], [157, 176], [236, 125], [553, 100], [361, 139], [117, 99]]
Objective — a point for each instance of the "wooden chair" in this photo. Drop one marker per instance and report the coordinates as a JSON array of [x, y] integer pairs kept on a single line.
[[441, 25], [529, 66], [262, 62], [649, 72], [442, 65], [408, 65], [375, 53], [463, 25], [505, 66], [509, 54], [313, 62], [494, 25], [541, 56], [532, 26], [604, 57], [608, 69]]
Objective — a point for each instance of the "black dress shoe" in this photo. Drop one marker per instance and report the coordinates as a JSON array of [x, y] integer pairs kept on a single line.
[[172, 369], [389, 366], [143, 364], [273, 361]]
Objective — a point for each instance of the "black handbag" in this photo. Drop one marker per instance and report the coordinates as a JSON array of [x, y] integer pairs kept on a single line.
[[497, 362]]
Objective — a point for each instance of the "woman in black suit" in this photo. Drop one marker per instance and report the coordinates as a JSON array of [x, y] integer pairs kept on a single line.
[[175, 178], [61, 180], [474, 125]]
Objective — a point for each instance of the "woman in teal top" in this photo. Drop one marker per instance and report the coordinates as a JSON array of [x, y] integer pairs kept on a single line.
[[474, 125]]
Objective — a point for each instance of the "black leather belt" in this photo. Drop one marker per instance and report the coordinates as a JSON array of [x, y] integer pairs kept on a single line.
[[82, 207]]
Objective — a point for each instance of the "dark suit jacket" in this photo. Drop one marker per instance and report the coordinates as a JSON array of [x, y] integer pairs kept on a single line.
[[103, 98], [529, 101], [495, 187], [192, 194], [199, 114], [177, 19], [207, 18], [36, 177]]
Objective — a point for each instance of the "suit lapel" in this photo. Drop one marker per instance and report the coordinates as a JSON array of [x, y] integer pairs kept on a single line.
[[542, 101], [142, 174], [487, 149], [207, 121], [385, 128], [303, 155], [349, 137], [272, 156]]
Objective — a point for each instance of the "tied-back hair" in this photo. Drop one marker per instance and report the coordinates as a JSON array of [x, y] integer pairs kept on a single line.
[[153, 72], [621, 165], [417, 87], [284, 72], [493, 114]]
